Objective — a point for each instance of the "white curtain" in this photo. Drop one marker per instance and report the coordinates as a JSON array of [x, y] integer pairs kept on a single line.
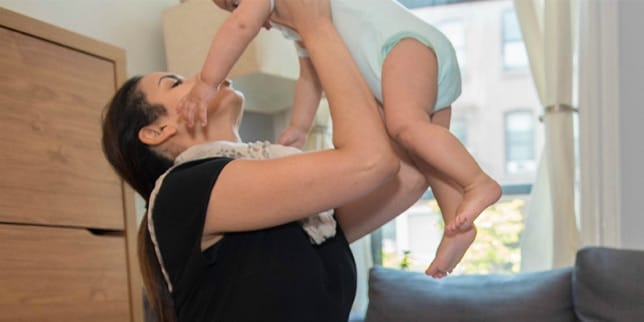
[[550, 236], [599, 125]]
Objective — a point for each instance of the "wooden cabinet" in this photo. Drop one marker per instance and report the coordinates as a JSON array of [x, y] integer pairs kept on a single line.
[[67, 222]]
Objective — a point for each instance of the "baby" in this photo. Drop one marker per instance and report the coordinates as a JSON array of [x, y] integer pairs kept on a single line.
[[411, 69]]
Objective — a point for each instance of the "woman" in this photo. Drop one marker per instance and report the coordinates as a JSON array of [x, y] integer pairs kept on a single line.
[[222, 240]]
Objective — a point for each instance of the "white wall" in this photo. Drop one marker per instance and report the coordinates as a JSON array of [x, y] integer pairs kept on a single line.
[[631, 80], [134, 25]]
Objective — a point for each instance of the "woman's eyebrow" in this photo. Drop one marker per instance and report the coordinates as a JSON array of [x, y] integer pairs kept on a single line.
[[173, 77]]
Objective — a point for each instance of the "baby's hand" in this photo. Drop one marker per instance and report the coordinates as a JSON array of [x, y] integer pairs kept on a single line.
[[196, 101], [293, 136]]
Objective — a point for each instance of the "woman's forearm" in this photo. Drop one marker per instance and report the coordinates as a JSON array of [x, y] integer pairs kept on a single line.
[[357, 126]]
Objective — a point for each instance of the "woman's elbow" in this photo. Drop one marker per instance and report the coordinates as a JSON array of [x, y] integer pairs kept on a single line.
[[383, 164], [391, 164]]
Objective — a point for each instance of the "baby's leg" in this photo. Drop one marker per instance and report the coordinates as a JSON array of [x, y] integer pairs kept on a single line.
[[409, 86], [449, 196]]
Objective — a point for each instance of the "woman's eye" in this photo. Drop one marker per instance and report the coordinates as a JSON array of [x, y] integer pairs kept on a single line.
[[176, 83], [235, 4]]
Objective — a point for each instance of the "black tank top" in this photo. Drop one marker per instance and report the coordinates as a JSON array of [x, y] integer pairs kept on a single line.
[[273, 274]]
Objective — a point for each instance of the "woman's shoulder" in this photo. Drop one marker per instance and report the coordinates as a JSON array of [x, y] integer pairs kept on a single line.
[[203, 164], [188, 183]]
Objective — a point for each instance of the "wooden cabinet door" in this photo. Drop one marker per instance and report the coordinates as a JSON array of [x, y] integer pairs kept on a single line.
[[51, 165], [62, 274], [67, 222]]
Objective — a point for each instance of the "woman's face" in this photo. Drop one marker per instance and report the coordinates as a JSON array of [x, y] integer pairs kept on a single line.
[[167, 89]]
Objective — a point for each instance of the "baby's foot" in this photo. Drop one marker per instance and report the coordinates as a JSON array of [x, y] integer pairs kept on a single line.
[[450, 252], [476, 198]]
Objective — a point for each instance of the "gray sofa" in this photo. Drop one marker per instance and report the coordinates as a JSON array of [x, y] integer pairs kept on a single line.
[[604, 285]]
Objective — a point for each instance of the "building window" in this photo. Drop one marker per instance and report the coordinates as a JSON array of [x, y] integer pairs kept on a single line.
[[519, 142], [514, 53]]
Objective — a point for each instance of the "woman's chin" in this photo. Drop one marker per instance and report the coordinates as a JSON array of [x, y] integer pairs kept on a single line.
[[230, 99]]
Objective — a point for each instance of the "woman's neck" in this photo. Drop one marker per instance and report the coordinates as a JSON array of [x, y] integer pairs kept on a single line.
[[223, 125], [197, 135]]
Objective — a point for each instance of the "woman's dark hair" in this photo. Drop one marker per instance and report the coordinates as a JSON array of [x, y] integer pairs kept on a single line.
[[126, 114]]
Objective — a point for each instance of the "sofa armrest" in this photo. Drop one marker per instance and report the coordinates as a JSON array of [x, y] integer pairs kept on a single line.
[[608, 284], [397, 296]]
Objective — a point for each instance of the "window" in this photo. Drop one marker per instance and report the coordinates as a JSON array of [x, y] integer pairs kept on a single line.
[[514, 52], [519, 142]]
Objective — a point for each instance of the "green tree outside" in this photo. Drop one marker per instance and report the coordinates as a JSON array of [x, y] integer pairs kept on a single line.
[[495, 249]]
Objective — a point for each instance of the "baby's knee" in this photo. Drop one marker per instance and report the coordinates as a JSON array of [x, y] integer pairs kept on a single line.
[[402, 131]]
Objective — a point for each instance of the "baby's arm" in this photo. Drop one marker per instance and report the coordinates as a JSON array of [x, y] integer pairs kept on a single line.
[[227, 46], [232, 38], [308, 92]]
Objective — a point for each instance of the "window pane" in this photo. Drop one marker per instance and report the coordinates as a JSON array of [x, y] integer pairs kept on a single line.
[[514, 52], [519, 142], [511, 29], [514, 55]]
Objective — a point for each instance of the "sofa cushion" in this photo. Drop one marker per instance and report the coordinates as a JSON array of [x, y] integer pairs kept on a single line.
[[401, 296], [608, 285]]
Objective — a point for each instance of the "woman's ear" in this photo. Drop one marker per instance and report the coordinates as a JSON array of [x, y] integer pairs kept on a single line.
[[154, 135]]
